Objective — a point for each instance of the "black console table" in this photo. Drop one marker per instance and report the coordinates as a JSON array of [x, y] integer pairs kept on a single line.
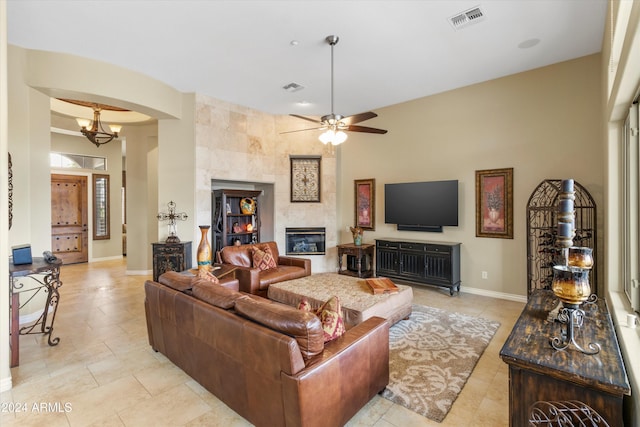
[[170, 257], [428, 263], [46, 277]]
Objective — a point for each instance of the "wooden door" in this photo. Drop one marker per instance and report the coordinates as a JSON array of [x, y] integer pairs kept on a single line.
[[69, 218]]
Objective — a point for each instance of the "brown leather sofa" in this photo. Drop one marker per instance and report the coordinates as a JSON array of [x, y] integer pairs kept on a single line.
[[252, 279], [267, 361]]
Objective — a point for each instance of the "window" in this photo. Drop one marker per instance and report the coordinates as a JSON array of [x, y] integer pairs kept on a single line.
[[77, 161], [631, 207], [101, 229]]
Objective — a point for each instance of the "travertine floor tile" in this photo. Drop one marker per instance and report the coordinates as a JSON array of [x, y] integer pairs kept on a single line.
[[106, 371]]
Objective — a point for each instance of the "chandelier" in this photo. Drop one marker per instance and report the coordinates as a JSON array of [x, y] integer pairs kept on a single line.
[[94, 131]]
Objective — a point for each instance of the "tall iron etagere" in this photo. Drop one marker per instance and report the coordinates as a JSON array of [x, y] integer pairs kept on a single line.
[[542, 221]]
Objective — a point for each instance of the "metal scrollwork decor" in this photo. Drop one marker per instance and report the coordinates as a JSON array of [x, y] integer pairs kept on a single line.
[[10, 193]]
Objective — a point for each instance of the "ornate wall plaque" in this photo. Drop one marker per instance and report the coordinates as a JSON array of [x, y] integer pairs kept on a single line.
[[305, 178]]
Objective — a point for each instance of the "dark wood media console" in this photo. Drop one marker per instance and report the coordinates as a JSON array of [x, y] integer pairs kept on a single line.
[[421, 262]]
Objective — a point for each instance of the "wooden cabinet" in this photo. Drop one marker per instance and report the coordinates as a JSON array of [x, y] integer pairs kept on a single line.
[[429, 263], [170, 257], [542, 378], [230, 223]]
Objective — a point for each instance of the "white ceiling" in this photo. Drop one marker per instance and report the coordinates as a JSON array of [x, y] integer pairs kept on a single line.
[[240, 51]]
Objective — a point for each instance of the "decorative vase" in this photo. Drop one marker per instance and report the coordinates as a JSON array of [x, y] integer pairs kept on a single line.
[[248, 206], [357, 240], [494, 214], [204, 249]]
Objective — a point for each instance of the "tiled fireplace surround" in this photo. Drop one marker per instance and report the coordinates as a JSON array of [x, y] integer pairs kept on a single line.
[[235, 143]]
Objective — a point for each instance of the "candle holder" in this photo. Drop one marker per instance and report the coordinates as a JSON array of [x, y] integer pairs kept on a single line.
[[571, 286], [571, 279]]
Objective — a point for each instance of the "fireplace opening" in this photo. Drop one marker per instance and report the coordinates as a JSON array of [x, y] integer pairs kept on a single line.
[[305, 240]]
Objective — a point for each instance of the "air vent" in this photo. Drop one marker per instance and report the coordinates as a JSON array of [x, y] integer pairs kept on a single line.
[[292, 87], [466, 18]]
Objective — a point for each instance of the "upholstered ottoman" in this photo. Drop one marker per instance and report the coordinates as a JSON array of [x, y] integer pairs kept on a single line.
[[358, 301]]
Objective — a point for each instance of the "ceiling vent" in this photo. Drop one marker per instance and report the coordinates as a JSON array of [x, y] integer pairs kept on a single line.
[[292, 87], [466, 18]]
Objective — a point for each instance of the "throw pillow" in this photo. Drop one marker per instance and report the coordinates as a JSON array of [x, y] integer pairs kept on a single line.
[[304, 305], [330, 314], [206, 274], [263, 259]]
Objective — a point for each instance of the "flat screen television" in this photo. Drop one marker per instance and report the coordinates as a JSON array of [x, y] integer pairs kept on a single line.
[[421, 206]]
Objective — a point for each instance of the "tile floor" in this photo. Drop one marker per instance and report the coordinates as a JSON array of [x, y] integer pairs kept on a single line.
[[103, 372]]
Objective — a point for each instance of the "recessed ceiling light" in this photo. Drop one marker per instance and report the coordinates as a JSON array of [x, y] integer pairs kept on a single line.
[[302, 103], [528, 43], [294, 42]]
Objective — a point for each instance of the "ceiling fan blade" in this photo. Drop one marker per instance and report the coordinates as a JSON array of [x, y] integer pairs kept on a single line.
[[311, 119], [357, 118], [353, 128], [303, 130]]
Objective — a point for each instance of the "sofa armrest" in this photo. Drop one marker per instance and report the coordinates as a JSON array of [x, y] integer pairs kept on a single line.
[[248, 279], [336, 384], [296, 262]]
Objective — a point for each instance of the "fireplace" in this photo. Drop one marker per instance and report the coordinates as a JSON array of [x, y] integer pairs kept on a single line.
[[305, 241]]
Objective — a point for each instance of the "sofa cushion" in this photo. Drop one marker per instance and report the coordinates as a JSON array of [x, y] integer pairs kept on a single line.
[[236, 255], [303, 326], [177, 281], [215, 294], [263, 259]]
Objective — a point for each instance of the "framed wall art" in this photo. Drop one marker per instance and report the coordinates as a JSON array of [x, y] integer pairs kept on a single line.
[[494, 203], [305, 178], [365, 203]]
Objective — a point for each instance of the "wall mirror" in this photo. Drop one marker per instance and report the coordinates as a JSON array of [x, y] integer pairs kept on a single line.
[[101, 228]]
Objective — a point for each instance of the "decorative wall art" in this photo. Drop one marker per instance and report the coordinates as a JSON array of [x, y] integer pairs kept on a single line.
[[365, 203], [305, 178], [494, 203]]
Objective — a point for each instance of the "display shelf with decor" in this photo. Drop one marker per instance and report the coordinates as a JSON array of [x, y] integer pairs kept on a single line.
[[236, 217], [421, 262]]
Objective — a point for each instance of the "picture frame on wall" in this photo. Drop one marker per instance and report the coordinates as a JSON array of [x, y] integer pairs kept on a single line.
[[365, 203], [305, 178], [494, 203]]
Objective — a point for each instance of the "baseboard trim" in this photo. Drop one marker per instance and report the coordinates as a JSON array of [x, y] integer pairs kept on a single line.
[[6, 384], [494, 294], [139, 272], [106, 258]]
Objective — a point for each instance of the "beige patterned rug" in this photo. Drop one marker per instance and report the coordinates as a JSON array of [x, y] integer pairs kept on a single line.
[[431, 357]]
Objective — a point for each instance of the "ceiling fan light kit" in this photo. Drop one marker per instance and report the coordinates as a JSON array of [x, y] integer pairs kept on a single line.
[[335, 125]]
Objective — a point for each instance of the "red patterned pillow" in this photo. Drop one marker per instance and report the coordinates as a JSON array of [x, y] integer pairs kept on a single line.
[[263, 260], [304, 305], [330, 314]]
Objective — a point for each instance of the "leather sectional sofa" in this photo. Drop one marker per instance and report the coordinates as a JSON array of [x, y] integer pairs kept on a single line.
[[267, 361], [254, 280]]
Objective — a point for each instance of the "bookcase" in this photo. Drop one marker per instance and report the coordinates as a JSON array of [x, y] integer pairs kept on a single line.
[[231, 225]]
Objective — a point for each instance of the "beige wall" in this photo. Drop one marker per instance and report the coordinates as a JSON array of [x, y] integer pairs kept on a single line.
[[237, 143], [544, 123]]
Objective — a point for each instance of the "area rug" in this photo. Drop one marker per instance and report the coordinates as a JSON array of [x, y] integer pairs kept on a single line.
[[431, 356]]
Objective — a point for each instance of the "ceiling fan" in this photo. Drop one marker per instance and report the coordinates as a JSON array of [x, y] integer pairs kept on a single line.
[[335, 124]]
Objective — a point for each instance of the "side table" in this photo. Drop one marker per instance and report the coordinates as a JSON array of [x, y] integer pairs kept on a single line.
[[49, 283], [364, 257], [170, 257]]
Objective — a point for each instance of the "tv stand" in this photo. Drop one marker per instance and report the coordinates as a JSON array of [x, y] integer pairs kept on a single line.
[[427, 228], [420, 262]]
